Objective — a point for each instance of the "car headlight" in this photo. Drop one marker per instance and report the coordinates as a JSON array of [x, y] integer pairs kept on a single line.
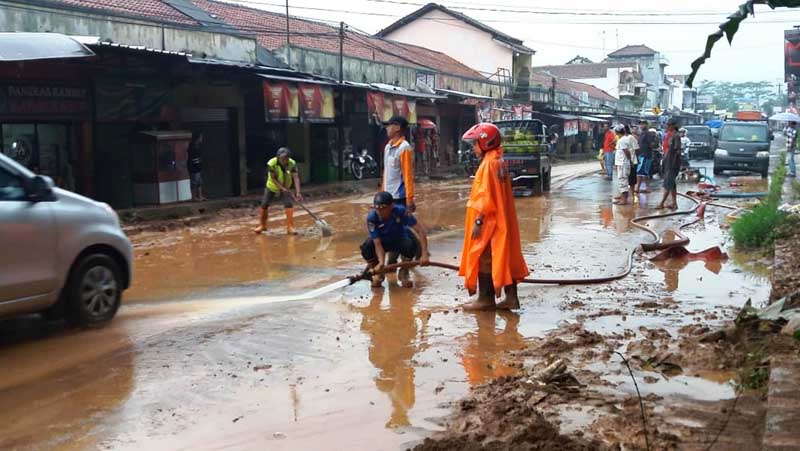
[[762, 154], [721, 153]]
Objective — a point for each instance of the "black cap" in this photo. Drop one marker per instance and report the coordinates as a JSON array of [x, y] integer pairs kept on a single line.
[[399, 120], [382, 198]]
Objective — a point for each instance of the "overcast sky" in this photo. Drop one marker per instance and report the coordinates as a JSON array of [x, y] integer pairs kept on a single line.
[[677, 28]]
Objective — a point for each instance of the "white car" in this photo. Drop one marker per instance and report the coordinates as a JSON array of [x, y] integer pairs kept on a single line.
[[61, 254]]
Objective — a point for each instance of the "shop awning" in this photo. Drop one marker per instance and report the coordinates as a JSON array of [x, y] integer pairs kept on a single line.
[[295, 79], [40, 46], [463, 94]]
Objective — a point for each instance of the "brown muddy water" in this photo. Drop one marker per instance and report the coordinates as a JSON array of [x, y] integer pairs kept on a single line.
[[208, 353]]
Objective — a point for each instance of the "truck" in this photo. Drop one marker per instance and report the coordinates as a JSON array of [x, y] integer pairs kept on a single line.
[[527, 155]]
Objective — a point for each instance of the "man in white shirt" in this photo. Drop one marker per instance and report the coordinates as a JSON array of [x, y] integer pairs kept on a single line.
[[622, 161]]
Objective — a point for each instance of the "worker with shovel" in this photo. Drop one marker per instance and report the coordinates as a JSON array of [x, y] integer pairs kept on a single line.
[[388, 225], [492, 255], [281, 174]]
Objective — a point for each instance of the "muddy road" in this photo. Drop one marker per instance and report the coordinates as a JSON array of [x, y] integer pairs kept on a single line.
[[207, 353]]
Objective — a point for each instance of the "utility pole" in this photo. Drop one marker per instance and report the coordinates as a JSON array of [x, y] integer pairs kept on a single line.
[[288, 42], [340, 120]]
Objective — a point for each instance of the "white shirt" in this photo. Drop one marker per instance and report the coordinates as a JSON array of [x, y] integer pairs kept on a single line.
[[685, 142], [624, 143]]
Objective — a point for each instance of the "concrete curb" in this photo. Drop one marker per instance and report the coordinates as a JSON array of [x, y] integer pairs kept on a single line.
[[782, 422]]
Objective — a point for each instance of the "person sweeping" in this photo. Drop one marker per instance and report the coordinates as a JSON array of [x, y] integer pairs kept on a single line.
[[491, 259], [281, 174]]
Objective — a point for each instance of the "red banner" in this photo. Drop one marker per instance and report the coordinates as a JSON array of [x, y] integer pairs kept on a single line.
[[281, 101], [382, 107], [316, 103]]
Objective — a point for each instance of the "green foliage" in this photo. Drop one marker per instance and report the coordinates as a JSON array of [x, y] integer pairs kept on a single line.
[[757, 228], [727, 95], [756, 379], [760, 226]]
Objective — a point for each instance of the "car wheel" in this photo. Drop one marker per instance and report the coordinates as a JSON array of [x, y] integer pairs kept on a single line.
[[717, 171], [546, 182], [764, 174], [94, 291]]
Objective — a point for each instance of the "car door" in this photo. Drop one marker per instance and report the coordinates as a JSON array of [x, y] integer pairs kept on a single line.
[[27, 241]]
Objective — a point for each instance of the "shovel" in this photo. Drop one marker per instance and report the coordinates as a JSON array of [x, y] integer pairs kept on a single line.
[[323, 226]]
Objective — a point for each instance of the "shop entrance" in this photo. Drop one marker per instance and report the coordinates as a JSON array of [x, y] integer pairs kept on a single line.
[[44, 148]]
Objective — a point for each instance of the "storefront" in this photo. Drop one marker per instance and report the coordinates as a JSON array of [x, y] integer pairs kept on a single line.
[[299, 114], [46, 128]]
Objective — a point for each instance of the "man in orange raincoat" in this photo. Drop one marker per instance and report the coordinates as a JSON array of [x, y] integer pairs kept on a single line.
[[492, 255]]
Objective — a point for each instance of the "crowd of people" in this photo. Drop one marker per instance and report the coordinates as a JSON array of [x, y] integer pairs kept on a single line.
[[630, 153]]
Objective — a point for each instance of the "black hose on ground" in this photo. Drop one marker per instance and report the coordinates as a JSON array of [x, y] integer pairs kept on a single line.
[[656, 245]]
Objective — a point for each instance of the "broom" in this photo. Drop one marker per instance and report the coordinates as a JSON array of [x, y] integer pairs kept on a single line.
[[323, 226]]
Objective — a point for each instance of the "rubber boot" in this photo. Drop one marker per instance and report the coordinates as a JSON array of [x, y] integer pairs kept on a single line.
[[404, 276], [485, 299], [290, 222], [262, 222], [511, 302]]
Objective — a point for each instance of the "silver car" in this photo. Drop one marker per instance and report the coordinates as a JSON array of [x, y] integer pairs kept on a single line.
[[60, 253]]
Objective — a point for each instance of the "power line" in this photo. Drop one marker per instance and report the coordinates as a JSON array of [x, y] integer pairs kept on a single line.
[[555, 11], [597, 22]]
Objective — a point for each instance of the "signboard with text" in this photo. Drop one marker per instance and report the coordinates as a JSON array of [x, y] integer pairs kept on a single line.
[[382, 107], [43, 102], [791, 43]]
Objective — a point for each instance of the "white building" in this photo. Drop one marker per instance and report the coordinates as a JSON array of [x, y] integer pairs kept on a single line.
[[495, 54], [619, 79]]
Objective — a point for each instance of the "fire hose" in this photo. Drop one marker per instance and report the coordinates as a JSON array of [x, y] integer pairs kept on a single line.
[[657, 244]]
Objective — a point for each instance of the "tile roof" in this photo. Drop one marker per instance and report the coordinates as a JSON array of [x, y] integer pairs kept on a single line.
[[146, 9], [514, 43], [567, 86], [632, 50], [573, 71], [270, 31]]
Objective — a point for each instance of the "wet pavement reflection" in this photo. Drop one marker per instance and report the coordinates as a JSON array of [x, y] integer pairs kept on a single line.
[[197, 360]]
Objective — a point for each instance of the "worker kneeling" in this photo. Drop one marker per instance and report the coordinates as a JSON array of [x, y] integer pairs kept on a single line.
[[388, 225], [492, 255]]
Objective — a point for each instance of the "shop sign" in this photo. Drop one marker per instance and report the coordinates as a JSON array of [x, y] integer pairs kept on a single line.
[[316, 102], [791, 54], [39, 101], [382, 107], [281, 101], [570, 128]]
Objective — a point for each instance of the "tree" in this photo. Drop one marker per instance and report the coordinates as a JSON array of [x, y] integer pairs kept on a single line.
[[731, 26], [728, 95]]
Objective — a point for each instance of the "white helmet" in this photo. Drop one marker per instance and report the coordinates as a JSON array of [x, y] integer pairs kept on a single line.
[[682, 130]]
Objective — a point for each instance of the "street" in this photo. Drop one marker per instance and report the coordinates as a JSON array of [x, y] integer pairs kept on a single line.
[[207, 352]]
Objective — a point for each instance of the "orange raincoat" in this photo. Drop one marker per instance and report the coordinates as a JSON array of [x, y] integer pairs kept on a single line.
[[491, 196]]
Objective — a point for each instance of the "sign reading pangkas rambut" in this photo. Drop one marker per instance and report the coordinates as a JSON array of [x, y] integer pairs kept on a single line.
[[21, 101]]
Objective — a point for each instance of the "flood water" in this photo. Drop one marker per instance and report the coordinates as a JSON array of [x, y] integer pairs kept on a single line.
[[209, 351]]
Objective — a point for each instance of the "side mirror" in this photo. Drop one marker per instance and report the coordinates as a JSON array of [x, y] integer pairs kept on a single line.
[[39, 188]]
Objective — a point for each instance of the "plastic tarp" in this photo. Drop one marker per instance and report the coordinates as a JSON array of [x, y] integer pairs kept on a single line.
[[40, 46]]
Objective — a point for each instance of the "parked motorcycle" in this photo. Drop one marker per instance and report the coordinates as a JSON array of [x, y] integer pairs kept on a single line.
[[468, 161], [361, 164]]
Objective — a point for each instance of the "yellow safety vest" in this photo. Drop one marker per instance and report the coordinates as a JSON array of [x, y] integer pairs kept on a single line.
[[284, 177]]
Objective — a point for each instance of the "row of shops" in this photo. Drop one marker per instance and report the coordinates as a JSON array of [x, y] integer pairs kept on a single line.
[[116, 126]]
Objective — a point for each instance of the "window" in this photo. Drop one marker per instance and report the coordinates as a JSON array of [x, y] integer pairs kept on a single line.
[[10, 186], [741, 133]]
